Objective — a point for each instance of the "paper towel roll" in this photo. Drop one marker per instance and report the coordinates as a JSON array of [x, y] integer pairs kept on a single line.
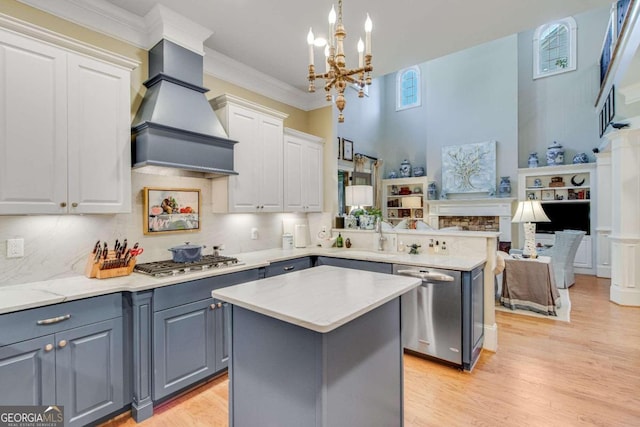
[[300, 236]]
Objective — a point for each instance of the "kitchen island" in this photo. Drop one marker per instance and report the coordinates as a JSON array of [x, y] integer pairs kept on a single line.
[[317, 347]]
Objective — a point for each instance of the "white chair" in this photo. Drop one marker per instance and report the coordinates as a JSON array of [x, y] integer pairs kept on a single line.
[[563, 255]]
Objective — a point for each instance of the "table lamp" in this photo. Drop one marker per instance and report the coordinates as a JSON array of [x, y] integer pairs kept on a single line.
[[529, 212]]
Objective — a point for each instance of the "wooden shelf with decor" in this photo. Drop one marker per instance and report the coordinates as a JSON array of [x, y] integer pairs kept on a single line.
[[567, 194], [404, 198]]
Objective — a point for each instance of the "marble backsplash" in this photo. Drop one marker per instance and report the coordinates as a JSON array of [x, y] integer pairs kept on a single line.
[[58, 245]]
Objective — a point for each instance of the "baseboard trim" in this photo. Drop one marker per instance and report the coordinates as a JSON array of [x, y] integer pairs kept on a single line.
[[490, 337], [625, 296]]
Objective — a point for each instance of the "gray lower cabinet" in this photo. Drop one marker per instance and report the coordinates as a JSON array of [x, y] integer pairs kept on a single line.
[[191, 332], [376, 267], [75, 359], [288, 266]]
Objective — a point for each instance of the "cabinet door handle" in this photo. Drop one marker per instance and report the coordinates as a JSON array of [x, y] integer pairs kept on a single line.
[[74, 205], [48, 347], [212, 306], [219, 305], [62, 343], [63, 204], [289, 268], [53, 320]]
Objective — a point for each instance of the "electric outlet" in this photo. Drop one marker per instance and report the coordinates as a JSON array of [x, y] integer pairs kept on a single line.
[[254, 234], [444, 249], [15, 248]]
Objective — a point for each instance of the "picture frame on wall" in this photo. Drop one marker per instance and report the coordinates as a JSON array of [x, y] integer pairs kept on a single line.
[[171, 210], [339, 148], [347, 150]]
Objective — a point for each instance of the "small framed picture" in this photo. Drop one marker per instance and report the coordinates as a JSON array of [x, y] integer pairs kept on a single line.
[[347, 150], [339, 148], [171, 210], [548, 195]]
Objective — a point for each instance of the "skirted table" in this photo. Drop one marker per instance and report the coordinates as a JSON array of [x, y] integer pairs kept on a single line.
[[529, 284]]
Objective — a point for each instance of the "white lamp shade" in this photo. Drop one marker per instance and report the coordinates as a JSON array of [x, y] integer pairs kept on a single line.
[[530, 211], [359, 195]]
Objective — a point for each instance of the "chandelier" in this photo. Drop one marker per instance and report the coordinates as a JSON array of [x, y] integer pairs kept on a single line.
[[337, 76]]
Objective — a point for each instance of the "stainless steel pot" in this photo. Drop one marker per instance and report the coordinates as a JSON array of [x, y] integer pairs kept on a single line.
[[187, 252]]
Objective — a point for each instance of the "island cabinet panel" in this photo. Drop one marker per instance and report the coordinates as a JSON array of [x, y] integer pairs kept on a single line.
[[376, 267], [472, 317], [191, 332], [68, 354], [286, 375]]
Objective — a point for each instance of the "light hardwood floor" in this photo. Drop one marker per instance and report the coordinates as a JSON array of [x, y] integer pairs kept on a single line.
[[545, 373]]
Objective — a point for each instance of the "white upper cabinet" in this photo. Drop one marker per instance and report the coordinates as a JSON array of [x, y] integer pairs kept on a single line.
[[64, 130], [258, 157], [303, 165]]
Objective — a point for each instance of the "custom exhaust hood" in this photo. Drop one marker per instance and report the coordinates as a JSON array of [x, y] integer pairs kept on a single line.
[[175, 126]]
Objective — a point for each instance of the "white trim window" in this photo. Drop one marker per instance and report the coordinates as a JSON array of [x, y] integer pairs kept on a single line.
[[554, 48], [408, 88]]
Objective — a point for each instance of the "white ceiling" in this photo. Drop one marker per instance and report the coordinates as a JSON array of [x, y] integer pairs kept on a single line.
[[270, 36]]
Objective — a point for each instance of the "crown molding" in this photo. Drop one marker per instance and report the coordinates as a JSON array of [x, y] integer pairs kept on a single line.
[[42, 34], [228, 69], [113, 21], [164, 23], [98, 15]]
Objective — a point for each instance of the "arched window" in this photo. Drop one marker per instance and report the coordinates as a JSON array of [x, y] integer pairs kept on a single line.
[[554, 48], [408, 88]]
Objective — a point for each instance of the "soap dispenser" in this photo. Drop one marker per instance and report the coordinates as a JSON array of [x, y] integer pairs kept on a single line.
[[339, 241]]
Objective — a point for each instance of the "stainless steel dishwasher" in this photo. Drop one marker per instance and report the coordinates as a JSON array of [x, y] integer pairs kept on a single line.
[[432, 313]]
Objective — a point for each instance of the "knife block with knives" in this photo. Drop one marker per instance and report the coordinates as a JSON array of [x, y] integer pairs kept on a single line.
[[104, 263]]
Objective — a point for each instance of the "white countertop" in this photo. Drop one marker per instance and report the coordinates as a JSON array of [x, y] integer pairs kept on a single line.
[[320, 298], [73, 287]]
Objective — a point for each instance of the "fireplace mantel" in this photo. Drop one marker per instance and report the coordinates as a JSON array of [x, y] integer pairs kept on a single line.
[[501, 207]]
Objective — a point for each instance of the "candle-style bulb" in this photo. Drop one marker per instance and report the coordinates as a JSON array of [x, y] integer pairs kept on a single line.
[[368, 24], [310, 37], [360, 45], [332, 15]]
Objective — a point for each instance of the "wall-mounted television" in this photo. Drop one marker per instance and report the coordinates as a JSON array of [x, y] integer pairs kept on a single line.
[[566, 216]]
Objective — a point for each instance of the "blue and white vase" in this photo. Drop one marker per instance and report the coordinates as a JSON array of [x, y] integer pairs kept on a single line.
[[555, 154], [533, 160], [504, 190], [418, 171], [405, 169]]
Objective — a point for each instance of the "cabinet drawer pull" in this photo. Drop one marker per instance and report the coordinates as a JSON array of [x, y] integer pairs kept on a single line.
[[74, 205], [219, 305], [62, 343], [54, 320], [289, 268], [212, 306], [48, 347], [63, 204]]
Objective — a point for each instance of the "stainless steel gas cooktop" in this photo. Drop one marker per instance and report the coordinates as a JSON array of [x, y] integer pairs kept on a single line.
[[171, 268]]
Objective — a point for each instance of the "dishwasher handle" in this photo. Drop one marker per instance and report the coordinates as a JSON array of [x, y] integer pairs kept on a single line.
[[427, 275]]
